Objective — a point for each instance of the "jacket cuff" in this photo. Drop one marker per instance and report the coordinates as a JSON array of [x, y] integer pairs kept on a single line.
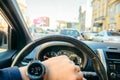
[[11, 73]]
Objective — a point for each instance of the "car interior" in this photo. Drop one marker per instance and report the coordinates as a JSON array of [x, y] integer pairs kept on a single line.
[[97, 60]]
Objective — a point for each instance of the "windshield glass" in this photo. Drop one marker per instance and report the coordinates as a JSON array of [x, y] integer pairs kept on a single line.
[[114, 34], [81, 19]]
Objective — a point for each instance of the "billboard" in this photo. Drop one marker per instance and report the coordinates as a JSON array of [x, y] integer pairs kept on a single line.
[[42, 21]]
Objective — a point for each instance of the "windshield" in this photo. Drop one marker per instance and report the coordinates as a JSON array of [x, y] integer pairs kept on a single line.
[[81, 19], [114, 34]]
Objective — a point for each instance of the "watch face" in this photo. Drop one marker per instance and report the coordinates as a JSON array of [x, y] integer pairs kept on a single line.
[[35, 69]]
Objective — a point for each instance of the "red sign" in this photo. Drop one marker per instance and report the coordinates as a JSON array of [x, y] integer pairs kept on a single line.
[[43, 21]]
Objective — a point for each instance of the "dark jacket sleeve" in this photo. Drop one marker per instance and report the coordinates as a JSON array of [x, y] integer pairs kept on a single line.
[[10, 74]]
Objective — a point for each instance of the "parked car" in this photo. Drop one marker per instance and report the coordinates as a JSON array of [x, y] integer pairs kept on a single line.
[[107, 36], [70, 32], [37, 32], [52, 31]]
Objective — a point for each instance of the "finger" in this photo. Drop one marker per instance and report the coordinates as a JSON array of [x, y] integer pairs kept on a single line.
[[77, 68], [80, 76], [61, 58], [71, 62], [84, 79]]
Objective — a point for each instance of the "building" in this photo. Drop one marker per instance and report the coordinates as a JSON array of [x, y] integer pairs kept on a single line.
[[105, 15], [82, 17], [99, 15], [67, 24], [3, 24], [23, 8], [113, 15]]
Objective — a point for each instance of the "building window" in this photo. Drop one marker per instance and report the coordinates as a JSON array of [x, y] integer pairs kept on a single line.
[[117, 8], [112, 14]]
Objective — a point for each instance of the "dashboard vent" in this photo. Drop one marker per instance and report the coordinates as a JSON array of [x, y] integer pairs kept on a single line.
[[114, 48], [113, 55]]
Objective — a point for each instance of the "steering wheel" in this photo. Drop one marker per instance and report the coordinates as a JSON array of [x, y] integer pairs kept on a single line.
[[98, 66]]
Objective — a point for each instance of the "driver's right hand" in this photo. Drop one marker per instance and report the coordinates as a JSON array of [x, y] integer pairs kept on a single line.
[[62, 68]]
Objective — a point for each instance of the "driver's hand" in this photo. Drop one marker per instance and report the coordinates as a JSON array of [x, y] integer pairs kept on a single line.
[[62, 68]]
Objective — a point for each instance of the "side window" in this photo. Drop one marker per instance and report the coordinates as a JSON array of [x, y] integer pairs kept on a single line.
[[3, 34]]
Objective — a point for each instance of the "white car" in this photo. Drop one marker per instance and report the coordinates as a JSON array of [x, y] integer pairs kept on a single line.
[[88, 35], [107, 36], [37, 32]]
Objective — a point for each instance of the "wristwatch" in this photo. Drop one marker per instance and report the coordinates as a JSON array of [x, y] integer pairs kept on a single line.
[[36, 70]]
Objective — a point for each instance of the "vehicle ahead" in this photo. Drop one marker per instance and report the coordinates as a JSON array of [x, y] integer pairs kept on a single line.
[[37, 32], [21, 48], [70, 32], [88, 35], [107, 36]]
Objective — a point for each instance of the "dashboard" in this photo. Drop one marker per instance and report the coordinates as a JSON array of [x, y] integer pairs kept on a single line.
[[109, 54], [75, 55], [52, 49], [111, 62]]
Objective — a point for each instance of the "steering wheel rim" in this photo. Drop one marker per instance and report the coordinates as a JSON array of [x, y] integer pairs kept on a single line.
[[98, 66]]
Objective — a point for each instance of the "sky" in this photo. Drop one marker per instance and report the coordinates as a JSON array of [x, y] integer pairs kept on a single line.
[[67, 10]]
